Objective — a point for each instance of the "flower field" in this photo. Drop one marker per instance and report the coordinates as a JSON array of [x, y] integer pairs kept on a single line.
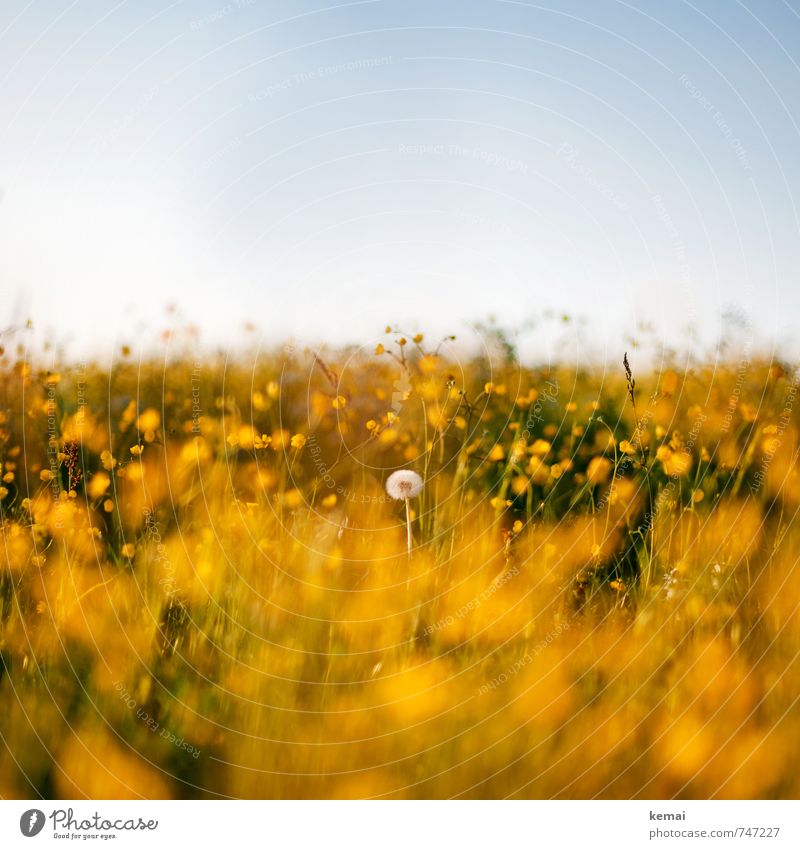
[[206, 590]]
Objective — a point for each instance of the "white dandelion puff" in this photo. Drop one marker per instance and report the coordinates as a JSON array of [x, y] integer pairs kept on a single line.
[[401, 486], [404, 484]]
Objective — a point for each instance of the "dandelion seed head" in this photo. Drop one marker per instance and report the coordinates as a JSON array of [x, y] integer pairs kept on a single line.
[[404, 484]]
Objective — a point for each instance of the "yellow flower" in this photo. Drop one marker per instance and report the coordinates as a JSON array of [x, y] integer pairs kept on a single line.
[[663, 453], [262, 441], [497, 453], [244, 436], [418, 338], [339, 402], [669, 382], [388, 436], [627, 447], [488, 388], [371, 425], [128, 550], [519, 486], [379, 349], [136, 450], [279, 439], [149, 420], [598, 470], [678, 464], [107, 460], [770, 445], [540, 447], [516, 527], [293, 498], [98, 484], [749, 412], [329, 500], [45, 475], [428, 363], [298, 440]]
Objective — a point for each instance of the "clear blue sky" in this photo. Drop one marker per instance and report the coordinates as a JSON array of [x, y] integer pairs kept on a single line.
[[322, 170]]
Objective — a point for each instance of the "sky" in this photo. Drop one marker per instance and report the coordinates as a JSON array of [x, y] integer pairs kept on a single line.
[[324, 169]]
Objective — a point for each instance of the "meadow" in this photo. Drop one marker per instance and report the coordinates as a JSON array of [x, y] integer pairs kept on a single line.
[[206, 590]]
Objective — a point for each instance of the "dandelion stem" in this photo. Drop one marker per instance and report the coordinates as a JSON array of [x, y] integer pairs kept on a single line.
[[408, 527]]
